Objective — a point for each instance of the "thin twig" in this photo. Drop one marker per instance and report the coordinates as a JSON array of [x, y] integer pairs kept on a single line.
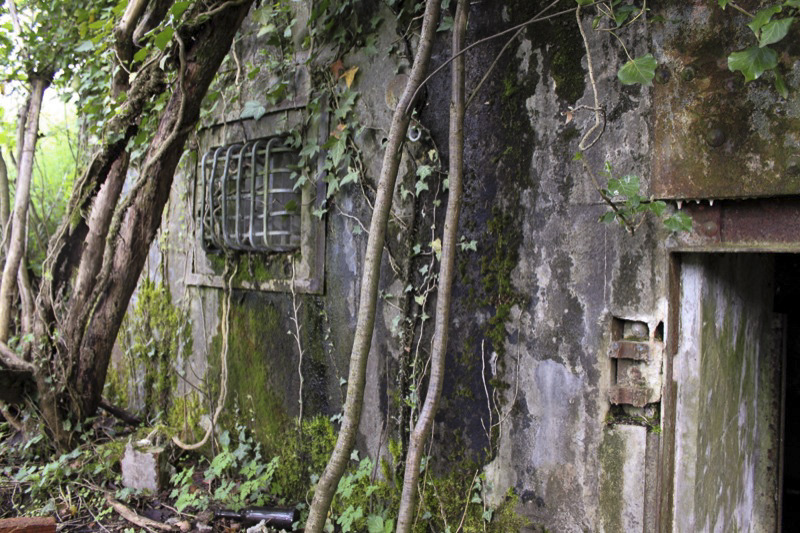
[[597, 122], [296, 335], [537, 18]]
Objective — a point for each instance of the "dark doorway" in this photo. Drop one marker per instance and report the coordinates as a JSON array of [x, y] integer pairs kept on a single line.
[[787, 303]]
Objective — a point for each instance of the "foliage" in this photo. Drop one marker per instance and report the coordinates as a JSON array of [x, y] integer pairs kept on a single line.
[[67, 484], [629, 206], [769, 25]]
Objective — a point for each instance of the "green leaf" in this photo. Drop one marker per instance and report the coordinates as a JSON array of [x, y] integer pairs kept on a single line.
[[629, 185], [622, 14], [447, 23], [163, 38], [780, 85], [141, 54], [375, 524], [640, 70], [608, 217], [723, 3], [774, 31], [85, 46], [584, 2], [762, 18], [351, 177], [678, 222], [254, 109], [178, 8], [424, 171], [753, 61]]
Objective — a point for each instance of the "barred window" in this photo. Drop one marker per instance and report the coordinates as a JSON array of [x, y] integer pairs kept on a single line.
[[249, 199]]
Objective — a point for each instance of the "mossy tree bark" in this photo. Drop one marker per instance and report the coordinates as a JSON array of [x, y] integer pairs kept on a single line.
[[455, 174], [94, 261], [328, 482]]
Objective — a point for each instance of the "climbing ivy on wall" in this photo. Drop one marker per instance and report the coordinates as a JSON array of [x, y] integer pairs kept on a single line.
[[770, 26]]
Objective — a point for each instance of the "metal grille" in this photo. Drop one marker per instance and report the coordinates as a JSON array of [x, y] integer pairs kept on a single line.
[[249, 202]]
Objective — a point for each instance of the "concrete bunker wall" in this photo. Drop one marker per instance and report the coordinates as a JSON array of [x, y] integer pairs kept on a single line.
[[539, 305]]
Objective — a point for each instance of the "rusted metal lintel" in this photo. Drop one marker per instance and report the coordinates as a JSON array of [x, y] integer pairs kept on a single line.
[[768, 221]]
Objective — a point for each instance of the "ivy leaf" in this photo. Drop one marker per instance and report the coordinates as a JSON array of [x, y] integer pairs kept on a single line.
[[351, 177], [622, 13], [629, 185], [723, 3], [424, 171], [753, 61], [178, 8], [375, 524], [774, 31], [254, 109], [762, 18], [640, 70], [447, 23], [163, 38], [608, 217], [141, 54], [584, 2], [678, 222]]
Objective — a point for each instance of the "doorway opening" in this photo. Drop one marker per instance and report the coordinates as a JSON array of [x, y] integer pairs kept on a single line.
[[736, 374], [787, 303]]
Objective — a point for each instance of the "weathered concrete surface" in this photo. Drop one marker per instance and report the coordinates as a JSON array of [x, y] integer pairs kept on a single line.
[[534, 306], [726, 435]]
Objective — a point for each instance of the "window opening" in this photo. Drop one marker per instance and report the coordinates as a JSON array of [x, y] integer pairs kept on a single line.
[[249, 199]]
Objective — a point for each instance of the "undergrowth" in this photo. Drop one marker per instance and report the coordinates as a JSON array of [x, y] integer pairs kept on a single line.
[[233, 473]]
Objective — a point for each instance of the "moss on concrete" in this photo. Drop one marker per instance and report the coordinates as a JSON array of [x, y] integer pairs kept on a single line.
[[611, 454], [259, 369]]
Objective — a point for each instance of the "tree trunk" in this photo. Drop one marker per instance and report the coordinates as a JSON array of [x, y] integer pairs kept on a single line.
[[5, 201], [455, 173], [16, 244], [326, 487], [107, 276]]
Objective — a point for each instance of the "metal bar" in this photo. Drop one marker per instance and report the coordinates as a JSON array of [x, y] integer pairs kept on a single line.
[[267, 192], [254, 175], [212, 227], [237, 233], [224, 195]]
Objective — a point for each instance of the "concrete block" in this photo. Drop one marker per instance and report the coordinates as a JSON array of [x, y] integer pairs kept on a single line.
[[142, 467]]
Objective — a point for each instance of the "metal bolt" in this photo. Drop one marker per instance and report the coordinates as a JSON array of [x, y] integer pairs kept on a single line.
[[688, 73], [715, 137]]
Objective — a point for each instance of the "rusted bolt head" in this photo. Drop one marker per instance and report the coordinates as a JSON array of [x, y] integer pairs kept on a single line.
[[663, 74], [710, 228], [688, 73], [715, 137]]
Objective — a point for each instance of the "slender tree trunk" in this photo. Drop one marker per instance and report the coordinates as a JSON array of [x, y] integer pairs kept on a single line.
[[5, 200], [16, 243], [326, 487], [420, 431]]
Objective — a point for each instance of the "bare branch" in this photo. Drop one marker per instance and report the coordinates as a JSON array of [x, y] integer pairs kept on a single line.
[[12, 361]]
